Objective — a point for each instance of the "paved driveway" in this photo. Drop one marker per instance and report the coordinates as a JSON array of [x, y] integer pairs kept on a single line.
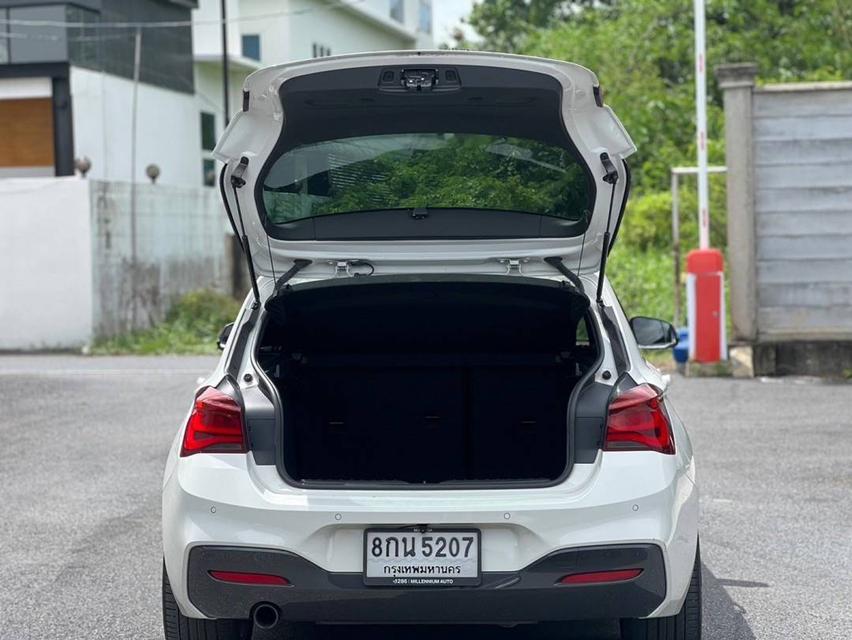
[[84, 439]]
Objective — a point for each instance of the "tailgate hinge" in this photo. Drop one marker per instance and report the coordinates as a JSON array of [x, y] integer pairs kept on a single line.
[[513, 265]]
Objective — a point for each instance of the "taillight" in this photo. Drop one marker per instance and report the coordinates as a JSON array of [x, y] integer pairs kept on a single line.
[[638, 421], [597, 577], [214, 426], [242, 577]]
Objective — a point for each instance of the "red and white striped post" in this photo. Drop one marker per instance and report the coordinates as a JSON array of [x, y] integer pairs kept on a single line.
[[705, 285]]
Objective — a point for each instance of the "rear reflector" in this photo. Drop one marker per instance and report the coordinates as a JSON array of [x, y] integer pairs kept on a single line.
[[638, 421], [214, 426], [240, 577], [597, 577]]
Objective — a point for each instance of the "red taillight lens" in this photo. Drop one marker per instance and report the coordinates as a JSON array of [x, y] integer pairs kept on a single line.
[[638, 421], [595, 577], [241, 577], [215, 425]]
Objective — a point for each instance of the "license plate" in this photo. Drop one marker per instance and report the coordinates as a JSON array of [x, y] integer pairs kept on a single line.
[[433, 558]]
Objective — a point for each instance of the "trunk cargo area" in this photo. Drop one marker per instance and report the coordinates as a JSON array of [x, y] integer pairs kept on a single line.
[[425, 380]]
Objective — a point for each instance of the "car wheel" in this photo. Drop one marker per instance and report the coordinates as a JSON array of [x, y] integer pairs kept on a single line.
[[686, 625], [177, 626]]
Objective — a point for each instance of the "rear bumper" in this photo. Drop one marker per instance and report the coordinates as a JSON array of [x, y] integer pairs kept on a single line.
[[629, 499], [531, 594]]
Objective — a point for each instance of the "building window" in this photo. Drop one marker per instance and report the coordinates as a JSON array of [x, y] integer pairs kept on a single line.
[[208, 131], [251, 46], [425, 16], [209, 169], [321, 51], [34, 43], [208, 141], [4, 38], [397, 10]]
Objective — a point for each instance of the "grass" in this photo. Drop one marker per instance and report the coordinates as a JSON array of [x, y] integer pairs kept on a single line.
[[191, 327]]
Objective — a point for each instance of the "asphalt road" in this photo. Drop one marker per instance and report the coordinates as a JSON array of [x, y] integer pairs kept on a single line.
[[84, 440]]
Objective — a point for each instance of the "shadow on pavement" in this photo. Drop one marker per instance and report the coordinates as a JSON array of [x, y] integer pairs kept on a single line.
[[723, 620]]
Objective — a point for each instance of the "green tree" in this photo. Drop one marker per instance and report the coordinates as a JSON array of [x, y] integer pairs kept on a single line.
[[642, 52], [503, 25]]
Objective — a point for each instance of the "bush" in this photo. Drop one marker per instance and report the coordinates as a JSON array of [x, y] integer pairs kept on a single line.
[[191, 327], [643, 281], [647, 222]]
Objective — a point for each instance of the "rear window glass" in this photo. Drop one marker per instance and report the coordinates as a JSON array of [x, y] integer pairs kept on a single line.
[[426, 170]]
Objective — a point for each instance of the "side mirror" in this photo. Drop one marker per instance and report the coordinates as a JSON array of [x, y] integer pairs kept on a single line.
[[652, 333], [224, 334]]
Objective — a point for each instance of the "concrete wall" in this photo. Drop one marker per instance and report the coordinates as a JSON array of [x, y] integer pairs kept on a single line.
[[168, 129], [789, 157], [45, 262], [182, 243], [803, 210], [73, 272]]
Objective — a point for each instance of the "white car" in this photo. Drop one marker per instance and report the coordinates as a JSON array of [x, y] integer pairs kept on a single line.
[[431, 408]]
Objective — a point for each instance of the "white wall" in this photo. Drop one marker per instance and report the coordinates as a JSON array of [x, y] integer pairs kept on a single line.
[[16, 88], [343, 30], [207, 35], [364, 26], [208, 91], [167, 133], [46, 262]]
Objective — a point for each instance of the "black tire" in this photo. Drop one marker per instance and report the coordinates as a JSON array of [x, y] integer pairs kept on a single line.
[[686, 625], [177, 626]]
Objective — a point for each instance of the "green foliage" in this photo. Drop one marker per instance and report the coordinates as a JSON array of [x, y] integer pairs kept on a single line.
[[191, 327], [642, 52], [648, 219], [644, 281], [505, 24]]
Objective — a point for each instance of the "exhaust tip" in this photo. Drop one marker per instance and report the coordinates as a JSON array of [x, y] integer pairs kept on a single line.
[[265, 616]]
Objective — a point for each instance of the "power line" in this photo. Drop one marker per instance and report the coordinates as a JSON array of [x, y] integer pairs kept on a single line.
[[338, 4]]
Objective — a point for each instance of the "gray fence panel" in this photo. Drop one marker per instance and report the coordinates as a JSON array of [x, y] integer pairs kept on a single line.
[[803, 212], [181, 246]]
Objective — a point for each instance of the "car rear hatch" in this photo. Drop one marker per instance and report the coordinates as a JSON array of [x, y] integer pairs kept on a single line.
[[416, 161]]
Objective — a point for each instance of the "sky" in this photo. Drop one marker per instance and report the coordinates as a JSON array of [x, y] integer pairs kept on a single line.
[[446, 15]]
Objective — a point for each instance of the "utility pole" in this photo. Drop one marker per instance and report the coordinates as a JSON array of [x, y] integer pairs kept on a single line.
[[134, 268], [701, 121], [225, 88]]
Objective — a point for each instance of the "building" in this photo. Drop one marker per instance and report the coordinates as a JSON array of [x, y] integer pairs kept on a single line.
[[67, 90], [67, 70], [267, 32], [116, 250]]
